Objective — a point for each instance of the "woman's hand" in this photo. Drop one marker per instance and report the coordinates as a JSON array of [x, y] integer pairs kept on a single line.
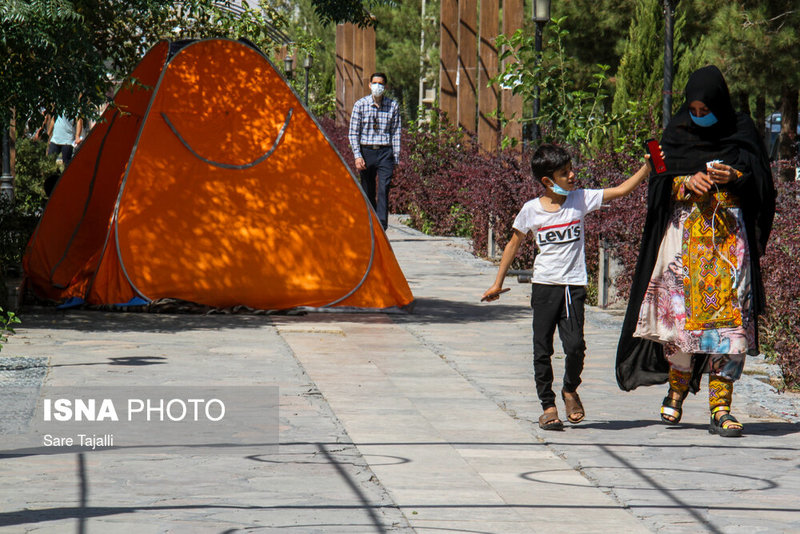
[[721, 173], [700, 183]]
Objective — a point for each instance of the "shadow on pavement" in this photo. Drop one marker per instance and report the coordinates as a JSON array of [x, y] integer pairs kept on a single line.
[[425, 310], [617, 425], [104, 321], [131, 361], [432, 310], [766, 428], [771, 429]]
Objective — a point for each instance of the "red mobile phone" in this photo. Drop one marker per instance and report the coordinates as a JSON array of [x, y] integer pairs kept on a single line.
[[655, 155]]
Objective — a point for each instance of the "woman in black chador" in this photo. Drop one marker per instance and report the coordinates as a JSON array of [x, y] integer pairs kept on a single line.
[[697, 290]]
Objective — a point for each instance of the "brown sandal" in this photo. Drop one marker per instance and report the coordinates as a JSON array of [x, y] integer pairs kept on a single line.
[[549, 420], [672, 408], [575, 411]]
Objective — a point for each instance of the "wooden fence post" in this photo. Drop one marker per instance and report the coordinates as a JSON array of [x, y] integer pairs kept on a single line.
[[488, 130], [468, 64], [511, 105]]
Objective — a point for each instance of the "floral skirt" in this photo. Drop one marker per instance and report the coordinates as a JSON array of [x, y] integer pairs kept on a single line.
[[698, 299]]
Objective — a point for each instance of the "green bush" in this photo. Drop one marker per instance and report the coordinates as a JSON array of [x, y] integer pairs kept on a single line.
[[33, 166], [7, 319], [18, 219]]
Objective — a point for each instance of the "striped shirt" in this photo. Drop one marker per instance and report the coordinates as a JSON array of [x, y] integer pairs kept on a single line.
[[373, 125]]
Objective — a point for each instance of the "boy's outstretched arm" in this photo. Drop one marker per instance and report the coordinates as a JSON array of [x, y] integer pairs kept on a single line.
[[509, 253], [627, 187]]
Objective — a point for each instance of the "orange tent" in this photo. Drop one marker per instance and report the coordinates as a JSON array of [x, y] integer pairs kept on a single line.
[[208, 181]]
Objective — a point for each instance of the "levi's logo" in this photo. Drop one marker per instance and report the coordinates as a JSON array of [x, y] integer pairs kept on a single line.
[[559, 234]]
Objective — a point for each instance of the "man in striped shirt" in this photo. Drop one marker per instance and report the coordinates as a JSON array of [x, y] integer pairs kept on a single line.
[[375, 139]]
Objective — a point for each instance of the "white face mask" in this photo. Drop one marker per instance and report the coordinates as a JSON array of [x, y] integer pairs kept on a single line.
[[377, 89]]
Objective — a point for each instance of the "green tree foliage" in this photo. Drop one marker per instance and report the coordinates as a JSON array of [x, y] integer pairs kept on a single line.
[[640, 81], [397, 36], [598, 31], [570, 112], [63, 55], [640, 78], [56, 53], [317, 38], [690, 45], [756, 43], [355, 11], [398, 27]]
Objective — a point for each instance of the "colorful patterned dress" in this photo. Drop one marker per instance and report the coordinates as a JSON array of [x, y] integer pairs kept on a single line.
[[698, 298]]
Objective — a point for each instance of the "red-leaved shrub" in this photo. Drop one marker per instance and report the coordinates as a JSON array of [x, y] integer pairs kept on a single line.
[[619, 223], [338, 136], [450, 186], [780, 328]]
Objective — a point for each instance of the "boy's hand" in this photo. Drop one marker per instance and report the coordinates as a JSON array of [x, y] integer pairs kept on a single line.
[[493, 293], [649, 161]]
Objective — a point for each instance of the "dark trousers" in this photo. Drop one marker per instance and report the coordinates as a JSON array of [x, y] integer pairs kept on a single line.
[[551, 308], [380, 165], [64, 150]]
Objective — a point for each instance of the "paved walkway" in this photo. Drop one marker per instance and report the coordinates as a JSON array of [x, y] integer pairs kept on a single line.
[[398, 423]]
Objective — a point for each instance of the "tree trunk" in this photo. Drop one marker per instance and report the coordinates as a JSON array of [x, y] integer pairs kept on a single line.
[[744, 102], [761, 117], [787, 142]]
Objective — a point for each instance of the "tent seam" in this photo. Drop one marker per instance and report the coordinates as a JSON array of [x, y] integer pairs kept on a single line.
[[86, 204], [367, 203], [231, 166], [115, 216]]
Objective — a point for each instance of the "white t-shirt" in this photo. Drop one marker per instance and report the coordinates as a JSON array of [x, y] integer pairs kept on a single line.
[[63, 131], [559, 237]]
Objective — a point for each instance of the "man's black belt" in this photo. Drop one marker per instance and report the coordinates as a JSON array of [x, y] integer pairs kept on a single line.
[[375, 147]]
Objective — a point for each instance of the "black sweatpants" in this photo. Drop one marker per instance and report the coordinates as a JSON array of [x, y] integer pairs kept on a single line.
[[562, 306]]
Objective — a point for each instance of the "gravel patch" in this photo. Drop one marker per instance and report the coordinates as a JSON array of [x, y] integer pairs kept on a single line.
[[20, 382]]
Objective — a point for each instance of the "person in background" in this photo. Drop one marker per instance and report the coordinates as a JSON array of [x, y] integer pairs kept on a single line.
[[64, 135], [375, 140]]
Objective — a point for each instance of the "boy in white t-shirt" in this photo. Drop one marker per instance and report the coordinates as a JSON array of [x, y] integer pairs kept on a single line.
[[559, 272]]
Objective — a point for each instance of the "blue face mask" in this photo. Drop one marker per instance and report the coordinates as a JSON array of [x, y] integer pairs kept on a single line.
[[558, 190], [704, 121]]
